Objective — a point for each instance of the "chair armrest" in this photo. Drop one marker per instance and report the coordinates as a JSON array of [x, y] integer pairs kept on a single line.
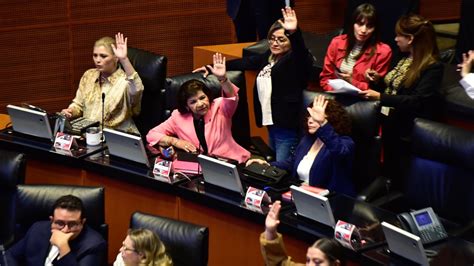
[[259, 147], [378, 188]]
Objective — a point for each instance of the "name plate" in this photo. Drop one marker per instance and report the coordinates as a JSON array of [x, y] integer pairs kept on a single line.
[[162, 167], [255, 197], [64, 141]]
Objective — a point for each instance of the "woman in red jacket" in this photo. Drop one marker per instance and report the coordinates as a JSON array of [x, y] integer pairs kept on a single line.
[[356, 55]]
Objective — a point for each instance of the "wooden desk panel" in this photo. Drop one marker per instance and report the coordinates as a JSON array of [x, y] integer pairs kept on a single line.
[[122, 200], [233, 240], [41, 172]]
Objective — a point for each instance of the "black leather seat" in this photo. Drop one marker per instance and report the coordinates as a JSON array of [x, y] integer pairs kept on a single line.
[[151, 68], [365, 133], [12, 172], [34, 203], [186, 243], [240, 120]]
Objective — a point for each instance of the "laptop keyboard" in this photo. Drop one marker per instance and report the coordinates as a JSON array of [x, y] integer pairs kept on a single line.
[[79, 125]]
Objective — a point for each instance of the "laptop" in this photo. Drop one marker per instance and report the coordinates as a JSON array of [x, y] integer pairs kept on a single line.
[[312, 206], [127, 146], [30, 122], [221, 174], [404, 244]]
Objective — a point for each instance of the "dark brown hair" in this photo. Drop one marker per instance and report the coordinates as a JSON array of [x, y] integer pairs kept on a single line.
[[331, 249], [363, 12], [337, 116], [189, 89], [425, 48]]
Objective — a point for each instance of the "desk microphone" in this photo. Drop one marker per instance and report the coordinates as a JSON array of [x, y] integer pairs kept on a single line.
[[103, 114]]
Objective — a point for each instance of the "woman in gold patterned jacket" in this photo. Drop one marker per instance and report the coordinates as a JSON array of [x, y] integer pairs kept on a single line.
[[117, 89]]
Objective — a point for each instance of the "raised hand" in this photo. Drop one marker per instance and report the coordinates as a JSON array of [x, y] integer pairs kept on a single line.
[[289, 22], [120, 49], [218, 68], [318, 111], [272, 221]]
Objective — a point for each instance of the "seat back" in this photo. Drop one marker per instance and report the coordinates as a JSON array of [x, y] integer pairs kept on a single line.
[[365, 133], [186, 243], [240, 120], [441, 170], [151, 68], [12, 172], [34, 203]]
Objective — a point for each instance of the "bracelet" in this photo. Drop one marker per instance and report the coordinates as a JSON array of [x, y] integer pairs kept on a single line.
[[222, 80]]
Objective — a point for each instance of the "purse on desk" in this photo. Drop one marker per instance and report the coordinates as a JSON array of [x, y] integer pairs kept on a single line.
[[265, 173]]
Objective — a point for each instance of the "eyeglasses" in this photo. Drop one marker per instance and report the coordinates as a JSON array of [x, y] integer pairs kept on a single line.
[[125, 248], [71, 225], [279, 40]]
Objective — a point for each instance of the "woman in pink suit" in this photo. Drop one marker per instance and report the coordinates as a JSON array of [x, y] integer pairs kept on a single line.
[[200, 123], [357, 55]]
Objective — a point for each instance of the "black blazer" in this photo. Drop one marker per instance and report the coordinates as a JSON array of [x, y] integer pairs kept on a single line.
[[289, 78], [422, 99]]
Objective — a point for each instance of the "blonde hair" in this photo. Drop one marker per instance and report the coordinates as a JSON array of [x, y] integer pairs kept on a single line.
[[106, 42], [149, 244], [425, 48]]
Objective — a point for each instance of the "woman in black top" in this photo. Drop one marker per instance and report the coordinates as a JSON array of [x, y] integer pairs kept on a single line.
[[409, 90], [283, 74]]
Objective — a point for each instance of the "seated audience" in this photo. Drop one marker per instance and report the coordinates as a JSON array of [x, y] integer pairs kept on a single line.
[[324, 251], [65, 240], [142, 247], [283, 73], [201, 123], [409, 90], [116, 89], [355, 56], [465, 68], [323, 158]]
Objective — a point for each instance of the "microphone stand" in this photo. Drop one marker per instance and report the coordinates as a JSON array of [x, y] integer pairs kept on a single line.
[[103, 114]]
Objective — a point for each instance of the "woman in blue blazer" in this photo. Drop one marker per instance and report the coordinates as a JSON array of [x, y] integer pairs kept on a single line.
[[323, 157]]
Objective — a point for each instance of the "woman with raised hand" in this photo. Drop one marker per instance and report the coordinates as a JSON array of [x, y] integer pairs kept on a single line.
[[324, 252], [283, 73], [119, 83], [201, 123], [323, 158], [355, 56], [409, 90]]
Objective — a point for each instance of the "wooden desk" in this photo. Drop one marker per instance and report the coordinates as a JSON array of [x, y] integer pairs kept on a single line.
[[202, 55]]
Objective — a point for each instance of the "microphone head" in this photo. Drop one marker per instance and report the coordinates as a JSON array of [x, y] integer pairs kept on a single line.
[[103, 96]]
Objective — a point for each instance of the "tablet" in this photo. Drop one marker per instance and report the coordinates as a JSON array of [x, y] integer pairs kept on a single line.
[[312, 206]]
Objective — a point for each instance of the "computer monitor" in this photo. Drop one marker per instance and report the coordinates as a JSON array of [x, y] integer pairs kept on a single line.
[[126, 146], [404, 244], [313, 206], [30, 122], [221, 174]]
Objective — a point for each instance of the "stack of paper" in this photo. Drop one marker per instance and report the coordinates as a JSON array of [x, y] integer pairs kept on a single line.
[[342, 86]]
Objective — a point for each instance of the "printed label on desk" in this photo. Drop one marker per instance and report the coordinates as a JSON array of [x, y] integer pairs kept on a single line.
[[255, 197], [64, 141], [162, 167], [346, 234]]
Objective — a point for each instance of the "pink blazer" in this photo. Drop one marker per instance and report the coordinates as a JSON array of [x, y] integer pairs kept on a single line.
[[217, 129]]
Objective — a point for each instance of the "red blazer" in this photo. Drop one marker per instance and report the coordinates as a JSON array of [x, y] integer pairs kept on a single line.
[[380, 62]]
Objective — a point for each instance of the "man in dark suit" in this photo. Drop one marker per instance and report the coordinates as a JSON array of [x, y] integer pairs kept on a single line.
[[254, 17], [64, 240]]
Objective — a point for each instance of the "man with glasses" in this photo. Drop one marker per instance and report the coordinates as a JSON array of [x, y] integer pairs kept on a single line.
[[64, 240]]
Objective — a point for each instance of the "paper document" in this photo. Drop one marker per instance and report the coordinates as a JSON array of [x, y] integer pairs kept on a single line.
[[342, 86]]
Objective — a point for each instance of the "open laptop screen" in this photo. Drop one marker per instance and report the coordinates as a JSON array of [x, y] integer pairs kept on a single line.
[[30, 122]]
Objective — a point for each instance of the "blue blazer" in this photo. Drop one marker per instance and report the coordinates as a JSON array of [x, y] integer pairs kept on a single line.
[[332, 167], [87, 249]]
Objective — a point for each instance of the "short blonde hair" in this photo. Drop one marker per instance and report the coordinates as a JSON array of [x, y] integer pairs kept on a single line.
[[149, 244], [106, 42]]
